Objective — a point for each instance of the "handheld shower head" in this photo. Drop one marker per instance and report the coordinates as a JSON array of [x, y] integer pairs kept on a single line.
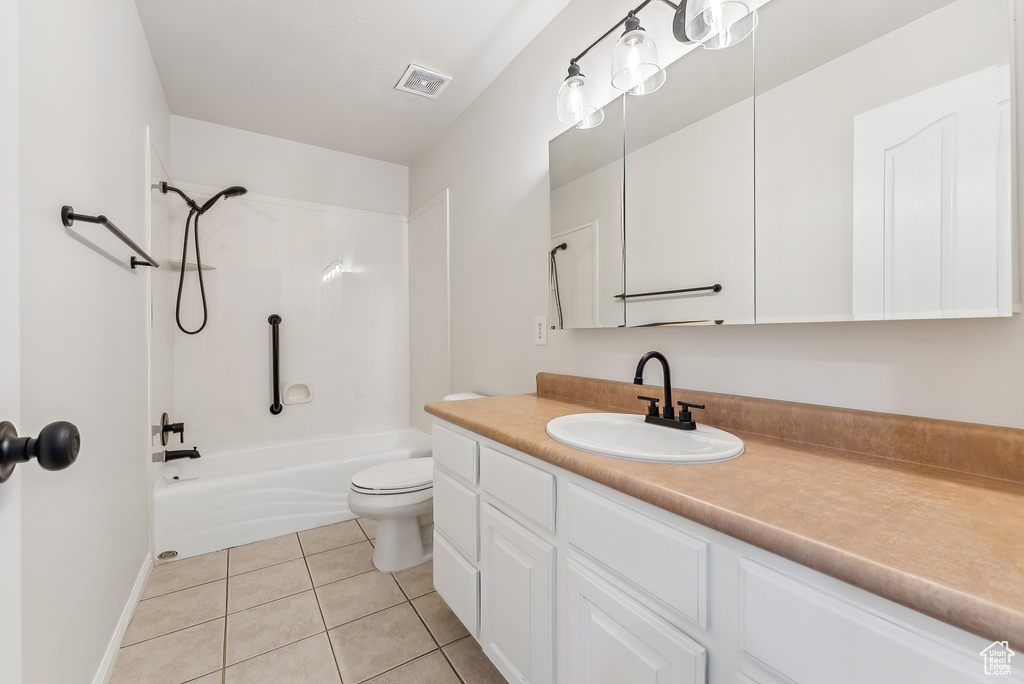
[[233, 191]]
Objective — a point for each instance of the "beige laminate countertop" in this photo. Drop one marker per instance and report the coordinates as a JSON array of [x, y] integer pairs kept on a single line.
[[947, 544]]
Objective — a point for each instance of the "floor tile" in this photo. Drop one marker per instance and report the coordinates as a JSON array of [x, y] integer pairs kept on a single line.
[[189, 572], [212, 678], [263, 553], [267, 584], [173, 658], [416, 581], [310, 661], [352, 598], [331, 537], [369, 527], [170, 612], [336, 564], [471, 664], [272, 625], [377, 643], [439, 618], [432, 668]]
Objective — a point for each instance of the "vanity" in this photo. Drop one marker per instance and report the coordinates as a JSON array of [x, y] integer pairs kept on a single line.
[[842, 546]]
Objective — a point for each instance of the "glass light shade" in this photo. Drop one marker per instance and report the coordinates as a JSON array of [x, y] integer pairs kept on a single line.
[[576, 101], [592, 121], [635, 62], [717, 23]]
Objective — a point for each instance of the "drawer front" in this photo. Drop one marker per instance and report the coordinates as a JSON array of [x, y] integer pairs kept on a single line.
[[456, 453], [457, 582], [456, 513], [613, 639], [526, 489], [810, 636], [666, 564]]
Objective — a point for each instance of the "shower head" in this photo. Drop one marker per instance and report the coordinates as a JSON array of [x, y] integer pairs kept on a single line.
[[233, 191]]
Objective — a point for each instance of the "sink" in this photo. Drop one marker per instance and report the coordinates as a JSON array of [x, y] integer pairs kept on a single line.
[[626, 435]]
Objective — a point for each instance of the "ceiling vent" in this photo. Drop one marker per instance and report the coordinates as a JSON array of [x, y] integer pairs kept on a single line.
[[425, 82]]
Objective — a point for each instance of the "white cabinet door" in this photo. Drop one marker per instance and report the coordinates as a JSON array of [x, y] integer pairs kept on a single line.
[[517, 599], [613, 639]]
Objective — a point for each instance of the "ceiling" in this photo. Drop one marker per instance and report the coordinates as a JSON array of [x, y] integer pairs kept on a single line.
[[323, 72]]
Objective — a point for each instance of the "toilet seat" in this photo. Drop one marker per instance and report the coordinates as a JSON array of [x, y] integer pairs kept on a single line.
[[396, 477]]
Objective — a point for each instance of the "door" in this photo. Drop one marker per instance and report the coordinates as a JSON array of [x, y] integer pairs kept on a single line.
[[10, 333], [517, 599]]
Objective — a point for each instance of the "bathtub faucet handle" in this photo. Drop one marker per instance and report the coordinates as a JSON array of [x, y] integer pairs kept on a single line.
[[166, 426]]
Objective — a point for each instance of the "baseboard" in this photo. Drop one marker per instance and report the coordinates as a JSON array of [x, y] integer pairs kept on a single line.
[[106, 670]]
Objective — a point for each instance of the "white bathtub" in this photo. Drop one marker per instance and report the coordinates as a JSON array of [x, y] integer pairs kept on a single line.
[[238, 496]]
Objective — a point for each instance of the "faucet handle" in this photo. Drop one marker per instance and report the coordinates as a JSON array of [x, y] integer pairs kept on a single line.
[[684, 414], [652, 410]]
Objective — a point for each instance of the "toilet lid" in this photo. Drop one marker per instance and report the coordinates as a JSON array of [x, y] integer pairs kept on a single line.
[[396, 477]]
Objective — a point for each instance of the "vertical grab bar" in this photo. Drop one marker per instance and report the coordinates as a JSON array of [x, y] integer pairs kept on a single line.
[[275, 325]]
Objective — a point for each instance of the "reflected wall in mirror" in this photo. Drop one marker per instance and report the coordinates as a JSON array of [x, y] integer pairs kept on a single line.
[[689, 193], [586, 216], [883, 160]]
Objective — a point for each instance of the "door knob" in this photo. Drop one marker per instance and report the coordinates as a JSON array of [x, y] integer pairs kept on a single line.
[[55, 448]]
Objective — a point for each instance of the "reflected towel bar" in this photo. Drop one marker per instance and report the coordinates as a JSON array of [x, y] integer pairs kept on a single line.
[[713, 288], [68, 218]]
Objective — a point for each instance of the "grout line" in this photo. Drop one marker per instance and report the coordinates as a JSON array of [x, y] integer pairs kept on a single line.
[[451, 664], [175, 591], [358, 574], [407, 662], [224, 646], [424, 623], [330, 642], [160, 636]]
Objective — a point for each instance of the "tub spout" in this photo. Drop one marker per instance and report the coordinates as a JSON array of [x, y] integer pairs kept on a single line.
[[170, 455]]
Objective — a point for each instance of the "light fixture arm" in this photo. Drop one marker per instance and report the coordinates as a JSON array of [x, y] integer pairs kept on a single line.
[[621, 23]]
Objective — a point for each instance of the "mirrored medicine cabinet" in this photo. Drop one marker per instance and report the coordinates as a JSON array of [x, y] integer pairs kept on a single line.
[[848, 161]]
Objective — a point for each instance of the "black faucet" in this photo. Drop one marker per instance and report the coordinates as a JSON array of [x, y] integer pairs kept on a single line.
[[668, 417], [170, 455]]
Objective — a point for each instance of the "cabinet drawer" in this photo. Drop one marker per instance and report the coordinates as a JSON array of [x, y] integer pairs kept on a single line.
[[526, 489], [456, 453], [456, 513], [613, 639], [666, 564], [457, 582], [810, 636]]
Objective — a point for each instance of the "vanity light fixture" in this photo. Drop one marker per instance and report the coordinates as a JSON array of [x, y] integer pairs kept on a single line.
[[713, 24]]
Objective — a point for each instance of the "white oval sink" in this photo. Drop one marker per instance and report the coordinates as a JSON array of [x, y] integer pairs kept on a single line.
[[626, 435]]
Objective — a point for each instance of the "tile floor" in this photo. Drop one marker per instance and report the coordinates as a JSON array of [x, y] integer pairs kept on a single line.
[[308, 608]]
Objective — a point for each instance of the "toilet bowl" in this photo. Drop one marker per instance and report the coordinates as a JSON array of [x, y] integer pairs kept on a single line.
[[399, 496]]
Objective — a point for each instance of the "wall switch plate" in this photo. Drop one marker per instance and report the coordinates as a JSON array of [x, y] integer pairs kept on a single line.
[[540, 330]]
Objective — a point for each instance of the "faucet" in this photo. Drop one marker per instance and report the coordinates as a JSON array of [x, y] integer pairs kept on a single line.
[[171, 455], [669, 411], [668, 417]]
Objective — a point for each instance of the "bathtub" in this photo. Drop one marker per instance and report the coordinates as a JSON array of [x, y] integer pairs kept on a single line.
[[238, 496]]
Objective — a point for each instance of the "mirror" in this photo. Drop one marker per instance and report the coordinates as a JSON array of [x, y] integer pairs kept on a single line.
[[586, 217], [883, 160], [879, 142], [689, 193]]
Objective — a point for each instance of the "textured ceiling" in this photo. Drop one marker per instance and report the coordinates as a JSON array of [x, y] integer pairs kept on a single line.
[[323, 71]]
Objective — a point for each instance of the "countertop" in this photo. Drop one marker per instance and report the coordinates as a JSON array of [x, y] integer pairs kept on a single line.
[[945, 543]]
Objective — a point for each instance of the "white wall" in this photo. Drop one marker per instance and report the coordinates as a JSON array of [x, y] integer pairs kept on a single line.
[[10, 355], [349, 336], [88, 90], [494, 160], [210, 154]]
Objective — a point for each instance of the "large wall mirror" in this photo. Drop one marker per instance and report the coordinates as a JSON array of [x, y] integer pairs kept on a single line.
[[878, 138]]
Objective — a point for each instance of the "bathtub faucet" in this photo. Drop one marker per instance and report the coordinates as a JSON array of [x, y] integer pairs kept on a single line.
[[171, 455]]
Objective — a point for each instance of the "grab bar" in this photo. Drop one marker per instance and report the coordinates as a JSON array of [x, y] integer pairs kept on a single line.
[[714, 288], [68, 218], [275, 325]]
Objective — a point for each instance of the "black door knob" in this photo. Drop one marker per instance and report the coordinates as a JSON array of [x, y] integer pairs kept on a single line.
[[56, 447]]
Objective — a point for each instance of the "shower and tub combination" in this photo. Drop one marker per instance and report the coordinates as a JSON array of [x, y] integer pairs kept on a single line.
[[265, 473]]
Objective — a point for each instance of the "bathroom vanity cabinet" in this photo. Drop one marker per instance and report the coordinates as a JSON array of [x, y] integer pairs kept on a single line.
[[563, 580]]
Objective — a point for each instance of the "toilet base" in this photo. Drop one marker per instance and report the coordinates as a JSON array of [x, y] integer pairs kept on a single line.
[[400, 545]]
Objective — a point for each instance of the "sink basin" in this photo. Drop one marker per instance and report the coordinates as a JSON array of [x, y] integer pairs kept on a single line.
[[626, 435]]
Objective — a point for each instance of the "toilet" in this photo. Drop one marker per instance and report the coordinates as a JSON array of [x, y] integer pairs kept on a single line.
[[399, 495]]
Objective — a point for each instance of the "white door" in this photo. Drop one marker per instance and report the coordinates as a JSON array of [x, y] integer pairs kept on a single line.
[[517, 599], [10, 332], [931, 221]]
